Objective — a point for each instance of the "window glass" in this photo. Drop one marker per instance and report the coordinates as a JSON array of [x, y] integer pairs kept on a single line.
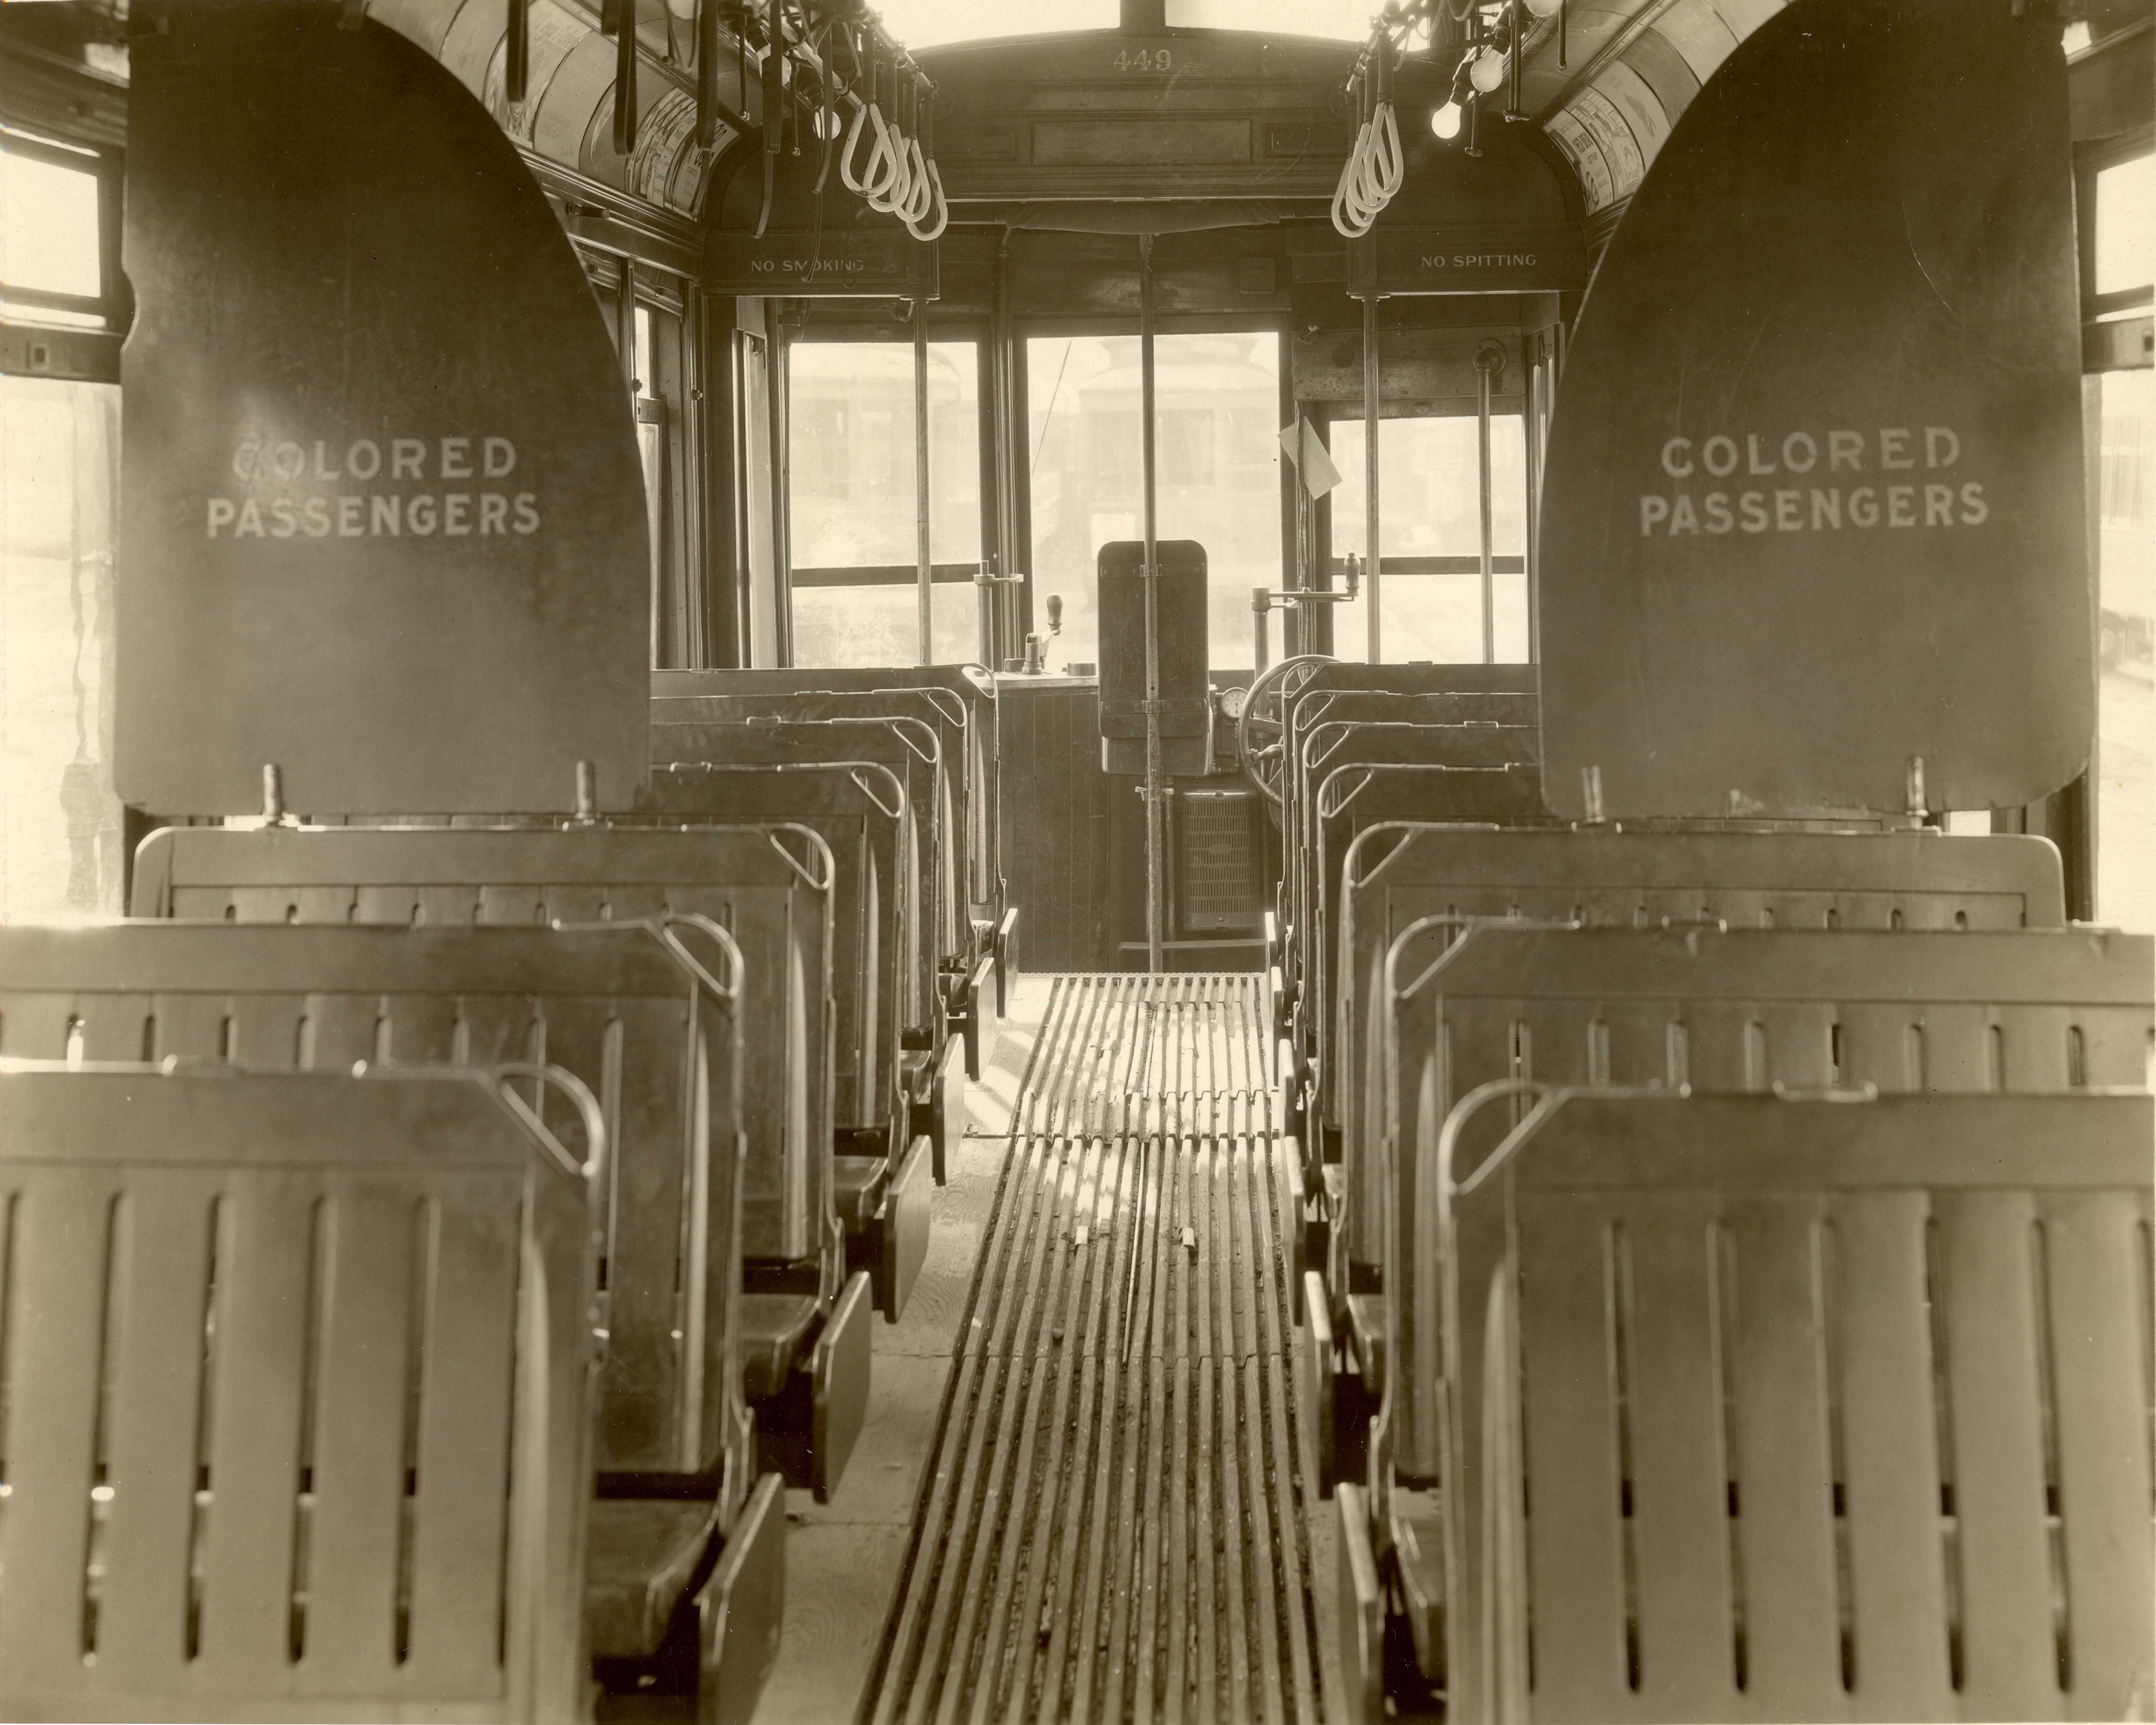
[[923, 23], [1082, 398], [641, 359], [1344, 20], [1429, 508], [881, 625], [47, 227], [854, 504], [60, 843], [2125, 688], [2126, 225], [1217, 398]]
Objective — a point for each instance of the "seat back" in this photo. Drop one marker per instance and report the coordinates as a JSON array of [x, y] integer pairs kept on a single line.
[[298, 1376], [644, 1014], [908, 746], [1395, 874], [880, 983], [2029, 1012], [769, 887], [972, 684], [965, 731], [1329, 749], [1816, 1409]]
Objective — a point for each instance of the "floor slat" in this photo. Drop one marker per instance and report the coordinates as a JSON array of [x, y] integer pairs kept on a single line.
[[1115, 1524]]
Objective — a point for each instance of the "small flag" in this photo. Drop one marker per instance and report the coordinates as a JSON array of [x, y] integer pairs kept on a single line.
[[1311, 460]]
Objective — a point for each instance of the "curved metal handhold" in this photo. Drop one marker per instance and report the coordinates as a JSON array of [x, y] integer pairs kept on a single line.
[[818, 878], [591, 1170], [868, 789], [717, 933]]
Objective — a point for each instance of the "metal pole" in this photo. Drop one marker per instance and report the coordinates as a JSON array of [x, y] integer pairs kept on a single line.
[[1371, 615], [1532, 428], [1154, 837], [1482, 374], [923, 573]]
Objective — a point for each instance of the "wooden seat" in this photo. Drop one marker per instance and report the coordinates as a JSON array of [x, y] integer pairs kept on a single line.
[[914, 748], [861, 811], [1395, 874], [1741, 1011], [975, 691], [769, 886], [300, 1370], [1830, 1409], [643, 1013]]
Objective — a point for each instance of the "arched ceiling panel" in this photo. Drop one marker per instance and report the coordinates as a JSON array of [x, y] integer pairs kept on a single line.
[[567, 114]]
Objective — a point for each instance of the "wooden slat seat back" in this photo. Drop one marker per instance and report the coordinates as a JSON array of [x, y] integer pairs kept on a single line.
[[768, 887], [646, 1016], [962, 733], [1325, 738], [972, 684], [1818, 1410], [1330, 750], [299, 1375], [1395, 874], [1937, 1013], [859, 809], [908, 746], [1376, 707]]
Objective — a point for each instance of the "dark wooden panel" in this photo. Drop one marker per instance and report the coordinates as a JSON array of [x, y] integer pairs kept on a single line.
[[1054, 823]]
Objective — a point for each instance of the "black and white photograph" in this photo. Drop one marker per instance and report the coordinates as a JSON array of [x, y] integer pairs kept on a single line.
[[1055, 862]]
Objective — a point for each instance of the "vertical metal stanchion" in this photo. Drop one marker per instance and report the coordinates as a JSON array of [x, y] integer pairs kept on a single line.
[[1154, 837], [1532, 426], [1484, 375], [924, 573], [1370, 617]]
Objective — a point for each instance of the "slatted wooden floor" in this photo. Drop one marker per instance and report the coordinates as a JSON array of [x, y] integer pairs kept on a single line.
[[1114, 1525]]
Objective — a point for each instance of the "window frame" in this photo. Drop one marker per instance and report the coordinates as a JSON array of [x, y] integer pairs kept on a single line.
[[904, 574]]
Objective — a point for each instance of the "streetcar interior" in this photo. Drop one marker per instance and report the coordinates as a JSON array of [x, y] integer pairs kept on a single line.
[[1191, 859]]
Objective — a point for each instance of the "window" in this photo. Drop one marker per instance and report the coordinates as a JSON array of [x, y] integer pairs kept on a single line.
[[854, 502], [1429, 499], [2118, 265], [61, 853], [53, 232], [1217, 397], [2126, 225], [2126, 684], [924, 24]]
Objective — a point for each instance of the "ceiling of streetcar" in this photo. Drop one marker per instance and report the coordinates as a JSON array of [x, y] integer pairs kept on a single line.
[[1604, 80]]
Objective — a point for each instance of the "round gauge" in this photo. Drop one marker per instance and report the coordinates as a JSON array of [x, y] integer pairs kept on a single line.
[[1231, 704]]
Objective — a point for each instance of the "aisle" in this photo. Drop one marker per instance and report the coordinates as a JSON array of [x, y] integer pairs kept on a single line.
[[1115, 1528]]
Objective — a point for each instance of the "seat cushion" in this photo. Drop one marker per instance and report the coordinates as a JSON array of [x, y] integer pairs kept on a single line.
[[773, 1327], [858, 1184], [639, 1561]]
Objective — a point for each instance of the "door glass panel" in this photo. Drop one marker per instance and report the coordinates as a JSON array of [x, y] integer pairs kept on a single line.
[[1429, 498], [1218, 449], [1217, 397], [2125, 688]]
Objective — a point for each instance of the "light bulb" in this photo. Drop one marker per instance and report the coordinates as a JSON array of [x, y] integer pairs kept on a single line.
[[831, 125], [1488, 71], [1445, 121]]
